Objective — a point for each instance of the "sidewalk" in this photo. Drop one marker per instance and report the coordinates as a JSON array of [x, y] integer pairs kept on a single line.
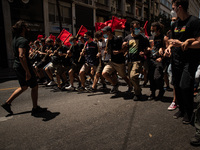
[[7, 73]]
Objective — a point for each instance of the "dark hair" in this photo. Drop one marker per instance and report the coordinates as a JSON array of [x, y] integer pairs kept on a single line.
[[158, 26], [58, 40], [89, 34], [98, 34], [134, 22], [42, 39], [72, 38], [183, 3], [18, 27]]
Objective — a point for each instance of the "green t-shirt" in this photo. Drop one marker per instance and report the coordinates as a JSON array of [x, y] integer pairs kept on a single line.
[[20, 42]]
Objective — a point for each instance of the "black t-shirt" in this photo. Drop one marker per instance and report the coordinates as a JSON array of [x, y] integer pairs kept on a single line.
[[91, 51], [115, 44], [20, 42], [75, 50], [158, 42], [183, 30], [135, 46]]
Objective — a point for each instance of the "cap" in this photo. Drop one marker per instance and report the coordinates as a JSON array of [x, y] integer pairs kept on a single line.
[[107, 28]]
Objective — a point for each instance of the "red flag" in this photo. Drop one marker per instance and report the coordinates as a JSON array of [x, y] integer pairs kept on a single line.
[[52, 37], [39, 37], [145, 29], [99, 26], [117, 23], [64, 35], [82, 31]]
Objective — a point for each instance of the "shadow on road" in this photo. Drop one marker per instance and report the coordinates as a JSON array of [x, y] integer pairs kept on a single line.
[[47, 116]]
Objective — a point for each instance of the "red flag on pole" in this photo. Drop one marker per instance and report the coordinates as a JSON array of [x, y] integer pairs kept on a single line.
[[39, 37], [145, 29], [82, 31], [64, 36], [99, 26], [117, 23], [52, 37]]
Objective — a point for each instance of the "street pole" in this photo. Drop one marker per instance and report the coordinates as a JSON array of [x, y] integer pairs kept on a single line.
[[59, 16]]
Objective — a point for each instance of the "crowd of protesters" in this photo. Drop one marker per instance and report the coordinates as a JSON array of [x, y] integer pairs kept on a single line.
[[161, 59]]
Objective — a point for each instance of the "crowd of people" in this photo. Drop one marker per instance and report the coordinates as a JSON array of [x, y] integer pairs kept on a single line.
[[161, 59]]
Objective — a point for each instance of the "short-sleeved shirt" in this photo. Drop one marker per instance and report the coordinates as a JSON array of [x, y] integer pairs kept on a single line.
[[115, 44], [183, 30], [75, 50], [158, 42], [20, 42], [102, 46], [91, 53], [135, 46]]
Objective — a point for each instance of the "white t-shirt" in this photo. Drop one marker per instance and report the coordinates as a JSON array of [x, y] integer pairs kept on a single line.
[[102, 46]]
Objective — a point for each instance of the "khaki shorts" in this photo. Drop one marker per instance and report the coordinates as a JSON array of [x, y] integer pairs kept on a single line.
[[111, 67], [87, 68]]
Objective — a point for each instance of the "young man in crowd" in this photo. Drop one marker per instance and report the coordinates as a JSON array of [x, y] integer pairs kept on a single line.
[[117, 63], [104, 58], [90, 51], [136, 46], [155, 74], [185, 49], [23, 69]]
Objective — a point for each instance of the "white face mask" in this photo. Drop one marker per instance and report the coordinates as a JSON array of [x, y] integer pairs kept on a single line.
[[173, 14]]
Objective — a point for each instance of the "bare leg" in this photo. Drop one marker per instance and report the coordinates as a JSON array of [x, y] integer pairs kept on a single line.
[[112, 80], [127, 81], [96, 79], [34, 96], [71, 77], [82, 78], [16, 93], [48, 72]]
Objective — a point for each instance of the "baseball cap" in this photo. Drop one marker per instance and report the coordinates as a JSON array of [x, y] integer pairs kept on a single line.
[[107, 28]]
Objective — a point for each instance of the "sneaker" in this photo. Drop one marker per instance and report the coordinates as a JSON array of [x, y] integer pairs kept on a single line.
[[152, 96], [51, 83], [38, 110], [92, 90], [137, 97], [81, 89], [114, 89], [71, 88], [130, 88], [187, 118], [6, 106], [178, 115], [196, 139], [173, 106]]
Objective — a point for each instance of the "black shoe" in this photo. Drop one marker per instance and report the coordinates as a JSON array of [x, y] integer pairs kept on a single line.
[[129, 90], [114, 89], [137, 97], [160, 95], [178, 114], [104, 86], [187, 118], [196, 139], [38, 110], [6, 106], [92, 90], [152, 96]]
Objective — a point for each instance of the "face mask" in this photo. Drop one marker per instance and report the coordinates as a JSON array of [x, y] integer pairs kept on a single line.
[[71, 43], [173, 14], [153, 34], [172, 22], [137, 31], [100, 40], [105, 36]]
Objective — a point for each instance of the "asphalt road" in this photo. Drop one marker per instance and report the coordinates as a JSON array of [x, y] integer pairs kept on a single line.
[[91, 121]]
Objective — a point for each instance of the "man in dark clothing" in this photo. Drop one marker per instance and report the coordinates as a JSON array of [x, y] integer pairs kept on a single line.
[[90, 52], [136, 46], [155, 73], [117, 63], [185, 49], [23, 69]]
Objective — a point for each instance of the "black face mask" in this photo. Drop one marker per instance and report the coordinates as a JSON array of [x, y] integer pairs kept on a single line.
[[100, 40], [57, 45]]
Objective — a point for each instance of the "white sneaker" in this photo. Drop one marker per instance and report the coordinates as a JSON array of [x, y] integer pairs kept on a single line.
[[173, 106], [51, 83], [72, 88]]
